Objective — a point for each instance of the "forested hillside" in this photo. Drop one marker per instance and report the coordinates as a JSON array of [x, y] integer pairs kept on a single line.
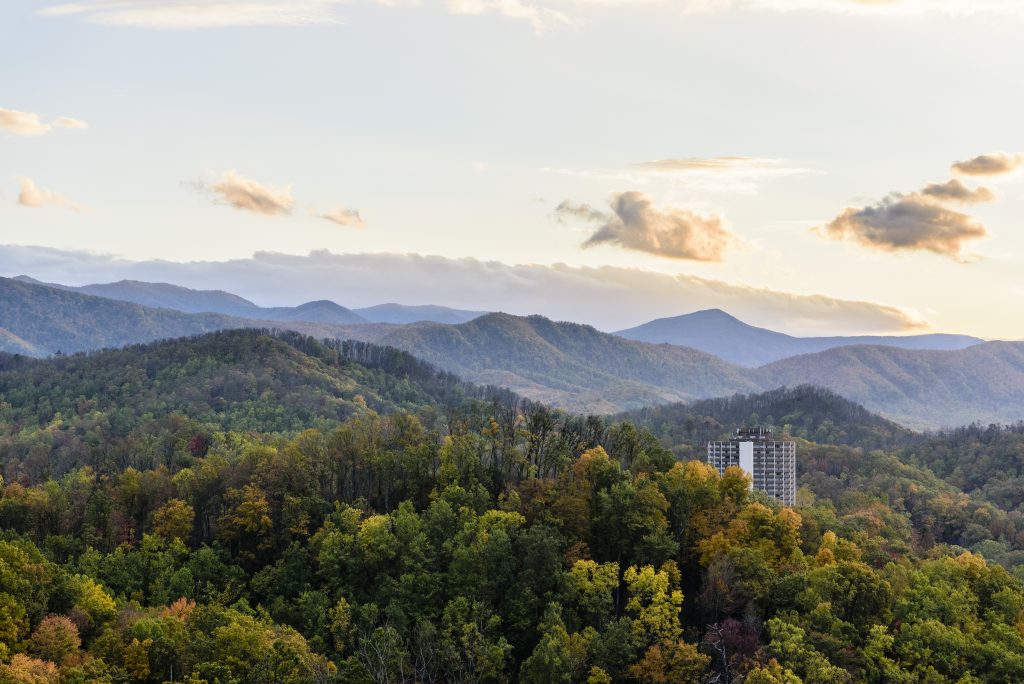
[[986, 461], [569, 365], [40, 320], [811, 413], [187, 300], [243, 507], [922, 389], [579, 368]]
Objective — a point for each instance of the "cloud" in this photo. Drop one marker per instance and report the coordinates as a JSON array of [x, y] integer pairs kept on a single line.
[[954, 190], [727, 174], [880, 8], [28, 123], [541, 18], [992, 164], [68, 122], [911, 222], [714, 164], [189, 14], [541, 14], [608, 297], [249, 195], [344, 217], [635, 223], [579, 211], [35, 197]]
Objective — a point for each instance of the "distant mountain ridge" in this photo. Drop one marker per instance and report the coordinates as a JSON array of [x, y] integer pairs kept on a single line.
[[569, 365], [40, 320], [404, 314], [187, 300], [579, 368], [717, 332]]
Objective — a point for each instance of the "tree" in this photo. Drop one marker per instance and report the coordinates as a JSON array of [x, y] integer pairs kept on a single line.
[[669, 662], [655, 602], [559, 658], [174, 520], [13, 624], [55, 639]]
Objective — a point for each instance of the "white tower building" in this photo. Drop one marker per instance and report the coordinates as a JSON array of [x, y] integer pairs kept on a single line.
[[771, 463]]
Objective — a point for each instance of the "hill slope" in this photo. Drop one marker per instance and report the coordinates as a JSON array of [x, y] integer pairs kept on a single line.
[[234, 380], [39, 320], [716, 332], [807, 412], [577, 367], [925, 389], [186, 300], [401, 313], [569, 365]]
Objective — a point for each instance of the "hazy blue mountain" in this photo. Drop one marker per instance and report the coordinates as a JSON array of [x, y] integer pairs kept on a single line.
[[39, 320], [918, 388], [716, 332], [577, 367], [567, 364], [320, 311], [164, 295], [168, 296], [401, 313]]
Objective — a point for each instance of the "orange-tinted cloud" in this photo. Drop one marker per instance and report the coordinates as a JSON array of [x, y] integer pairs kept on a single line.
[[29, 123], [636, 223], [992, 164], [249, 195], [911, 222], [344, 217], [36, 197]]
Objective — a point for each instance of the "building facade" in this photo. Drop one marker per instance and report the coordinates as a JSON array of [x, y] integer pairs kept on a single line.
[[770, 462]]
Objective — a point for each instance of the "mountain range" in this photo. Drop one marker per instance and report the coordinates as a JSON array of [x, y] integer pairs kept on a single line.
[[729, 338], [568, 365], [40, 320], [187, 300]]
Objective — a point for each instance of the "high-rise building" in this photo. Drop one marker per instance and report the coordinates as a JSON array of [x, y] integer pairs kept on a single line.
[[770, 462]]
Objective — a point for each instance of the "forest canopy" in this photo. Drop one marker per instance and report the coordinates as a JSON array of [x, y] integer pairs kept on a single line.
[[261, 507]]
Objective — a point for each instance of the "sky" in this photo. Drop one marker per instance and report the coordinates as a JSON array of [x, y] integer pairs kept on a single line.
[[846, 166]]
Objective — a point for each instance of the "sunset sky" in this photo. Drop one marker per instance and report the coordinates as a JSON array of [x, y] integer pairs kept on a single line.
[[813, 166]]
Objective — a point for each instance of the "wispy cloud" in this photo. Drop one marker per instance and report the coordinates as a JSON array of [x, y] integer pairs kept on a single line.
[[879, 8], [344, 217], [29, 123], [726, 165], [540, 17], [729, 174], [541, 14], [992, 164], [36, 197], [189, 14], [608, 297], [249, 195], [635, 223]]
